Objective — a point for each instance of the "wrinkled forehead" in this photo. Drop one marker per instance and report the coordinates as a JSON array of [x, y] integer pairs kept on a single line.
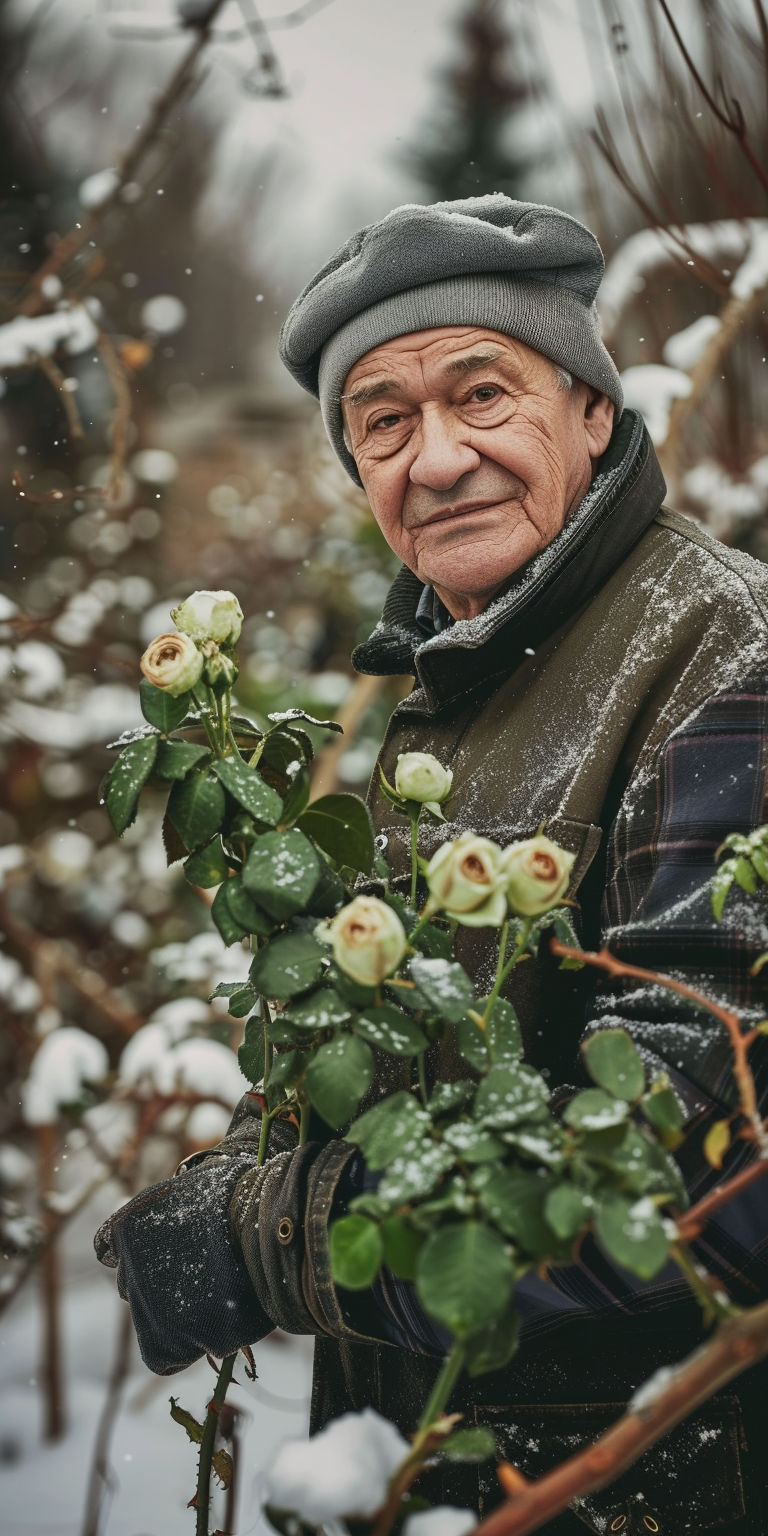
[[432, 357]]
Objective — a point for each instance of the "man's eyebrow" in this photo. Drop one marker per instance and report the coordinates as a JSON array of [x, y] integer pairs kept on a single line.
[[365, 392], [474, 361]]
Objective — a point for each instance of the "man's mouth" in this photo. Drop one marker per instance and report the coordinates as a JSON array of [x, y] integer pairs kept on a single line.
[[461, 509]]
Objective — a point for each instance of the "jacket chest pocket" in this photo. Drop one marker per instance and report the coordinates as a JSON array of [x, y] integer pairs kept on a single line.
[[690, 1482]]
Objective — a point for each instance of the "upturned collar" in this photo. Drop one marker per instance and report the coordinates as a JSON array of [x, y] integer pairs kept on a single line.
[[622, 501]]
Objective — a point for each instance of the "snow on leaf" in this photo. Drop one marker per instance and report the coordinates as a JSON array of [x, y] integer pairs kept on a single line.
[[684, 349], [65, 1063], [652, 389], [28, 337]]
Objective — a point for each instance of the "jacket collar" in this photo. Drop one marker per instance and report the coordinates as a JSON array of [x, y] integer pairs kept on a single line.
[[623, 499]]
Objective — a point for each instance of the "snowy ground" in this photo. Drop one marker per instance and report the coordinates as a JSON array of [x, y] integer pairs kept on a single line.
[[42, 1488]]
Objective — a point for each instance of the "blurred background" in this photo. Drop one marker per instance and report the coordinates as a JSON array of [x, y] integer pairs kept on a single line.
[[170, 177]]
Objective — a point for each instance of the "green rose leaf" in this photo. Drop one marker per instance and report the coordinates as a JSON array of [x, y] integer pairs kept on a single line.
[[568, 1209], [391, 1031], [357, 1252], [745, 876], [464, 1276], [160, 709], [297, 798], [414, 1174], [196, 806], [445, 986], [472, 1041], [505, 1041], [542, 1143], [434, 942], [632, 1233], [175, 758], [207, 867], [250, 1055], [126, 780], [643, 1166], [341, 825], [510, 1093], [661, 1108], [245, 911], [290, 963], [285, 1072], [469, 1445], [242, 997], [284, 716], [247, 787], [282, 872], [595, 1110], [231, 931], [390, 1128], [401, 1246], [613, 1062], [493, 1346], [560, 919], [338, 1076], [329, 893], [471, 1143], [447, 1097], [323, 1009], [514, 1199], [174, 847], [720, 886]]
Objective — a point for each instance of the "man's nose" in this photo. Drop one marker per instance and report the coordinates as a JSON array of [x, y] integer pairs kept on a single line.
[[442, 457]]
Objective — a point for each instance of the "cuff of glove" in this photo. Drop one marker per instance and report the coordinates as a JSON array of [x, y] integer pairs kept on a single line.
[[280, 1214]]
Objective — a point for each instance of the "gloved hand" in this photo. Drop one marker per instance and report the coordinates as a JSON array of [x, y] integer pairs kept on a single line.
[[179, 1264]]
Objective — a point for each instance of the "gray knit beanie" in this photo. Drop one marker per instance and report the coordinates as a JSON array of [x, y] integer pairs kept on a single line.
[[526, 270]]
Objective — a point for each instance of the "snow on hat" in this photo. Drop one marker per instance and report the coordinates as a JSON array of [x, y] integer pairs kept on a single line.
[[523, 269]]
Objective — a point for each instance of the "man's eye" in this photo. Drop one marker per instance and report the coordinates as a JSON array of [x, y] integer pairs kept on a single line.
[[386, 421], [485, 392]]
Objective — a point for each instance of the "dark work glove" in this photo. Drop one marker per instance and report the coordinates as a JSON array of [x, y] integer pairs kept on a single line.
[[179, 1264]]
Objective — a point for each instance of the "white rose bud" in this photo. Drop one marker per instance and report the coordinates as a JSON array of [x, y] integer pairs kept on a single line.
[[419, 776], [172, 662], [368, 940], [537, 875], [210, 616], [466, 881]]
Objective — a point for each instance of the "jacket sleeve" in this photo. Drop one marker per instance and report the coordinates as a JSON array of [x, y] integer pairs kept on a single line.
[[711, 779]]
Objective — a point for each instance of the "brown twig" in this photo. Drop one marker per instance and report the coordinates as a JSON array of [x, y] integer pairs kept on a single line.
[[55, 377], [737, 1344], [88, 983], [122, 413], [740, 1042], [692, 1223]]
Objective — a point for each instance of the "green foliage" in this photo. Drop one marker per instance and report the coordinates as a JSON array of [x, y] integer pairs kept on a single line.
[[323, 1009], [661, 1108], [175, 758], [126, 779], [244, 910], [747, 866], [181, 1415], [337, 1077], [231, 931], [341, 825], [464, 1276], [297, 797], [470, 1445], [444, 985], [391, 1031], [196, 806], [162, 711], [247, 787], [613, 1062], [492, 1347], [250, 1055], [401, 1246], [567, 1210], [289, 964], [282, 872], [509, 1093], [241, 995], [595, 1110], [357, 1252], [632, 1233], [392, 1128], [207, 867]]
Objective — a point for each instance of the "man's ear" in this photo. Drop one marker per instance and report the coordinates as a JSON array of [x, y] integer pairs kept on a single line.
[[599, 412]]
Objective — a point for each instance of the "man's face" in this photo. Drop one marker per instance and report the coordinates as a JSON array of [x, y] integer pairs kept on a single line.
[[472, 454]]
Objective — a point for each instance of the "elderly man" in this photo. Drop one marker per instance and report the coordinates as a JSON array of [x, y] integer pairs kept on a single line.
[[585, 659]]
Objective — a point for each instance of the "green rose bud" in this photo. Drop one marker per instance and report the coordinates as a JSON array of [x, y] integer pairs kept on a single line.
[[466, 881], [210, 616], [172, 662], [368, 940], [419, 776], [537, 874], [220, 670]]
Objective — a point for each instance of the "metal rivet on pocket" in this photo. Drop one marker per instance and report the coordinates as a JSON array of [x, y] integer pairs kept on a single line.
[[619, 1523], [284, 1229], [649, 1523]]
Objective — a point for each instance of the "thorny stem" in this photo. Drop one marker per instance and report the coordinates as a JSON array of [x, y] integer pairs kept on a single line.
[[208, 1442], [740, 1043], [712, 1299], [414, 856], [441, 1391]]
